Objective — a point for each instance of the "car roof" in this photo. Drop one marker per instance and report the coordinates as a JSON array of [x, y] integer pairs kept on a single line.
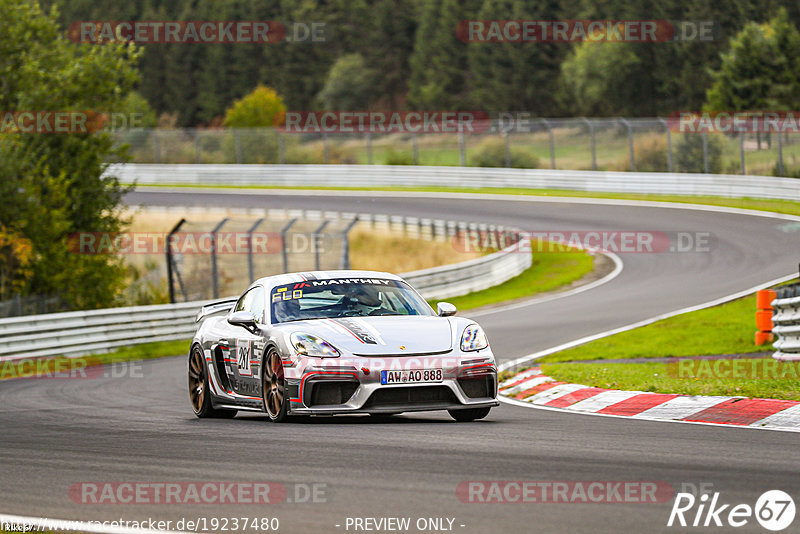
[[288, 278]]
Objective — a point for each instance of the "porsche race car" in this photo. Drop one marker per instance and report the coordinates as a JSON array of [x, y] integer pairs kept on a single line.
[[338, 342]]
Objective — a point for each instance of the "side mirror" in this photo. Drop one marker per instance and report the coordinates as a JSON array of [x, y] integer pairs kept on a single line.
[[445, 309], [244, 319]]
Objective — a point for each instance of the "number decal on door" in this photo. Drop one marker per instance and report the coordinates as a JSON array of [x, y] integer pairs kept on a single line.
[[243, 349]]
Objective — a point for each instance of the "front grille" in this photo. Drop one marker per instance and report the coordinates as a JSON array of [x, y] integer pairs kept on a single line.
[[331, 392], [408, 396], [478, 387]]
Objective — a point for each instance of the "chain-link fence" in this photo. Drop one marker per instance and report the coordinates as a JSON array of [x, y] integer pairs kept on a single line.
[[33, 305], [209, 260], [614, 144]]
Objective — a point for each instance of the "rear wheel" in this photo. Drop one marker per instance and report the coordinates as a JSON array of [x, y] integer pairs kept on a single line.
[[471, 414], [199, 393], [273, 387]]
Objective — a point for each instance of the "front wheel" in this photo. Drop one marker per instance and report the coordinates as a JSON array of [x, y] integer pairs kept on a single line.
[[199, 393], [471, 414], [273, 387]]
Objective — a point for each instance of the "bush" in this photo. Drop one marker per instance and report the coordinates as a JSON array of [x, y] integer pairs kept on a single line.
[[398, 158], [689, 154], [491, 152], [651, 155], [261, 108]]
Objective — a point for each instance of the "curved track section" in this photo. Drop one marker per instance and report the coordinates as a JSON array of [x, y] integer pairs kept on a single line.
[[58, 433]]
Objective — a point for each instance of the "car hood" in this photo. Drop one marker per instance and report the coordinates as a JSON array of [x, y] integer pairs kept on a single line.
[[368, 336]]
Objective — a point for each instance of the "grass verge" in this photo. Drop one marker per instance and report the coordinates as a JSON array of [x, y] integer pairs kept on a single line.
[[725, 329], [549, 271]]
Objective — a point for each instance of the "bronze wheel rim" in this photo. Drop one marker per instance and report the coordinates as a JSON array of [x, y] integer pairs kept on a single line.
[[197, 380], [273, 384]]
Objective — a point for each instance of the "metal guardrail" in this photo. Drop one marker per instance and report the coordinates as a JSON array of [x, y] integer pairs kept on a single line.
[[90, 332], [722, 185], [786, 321]]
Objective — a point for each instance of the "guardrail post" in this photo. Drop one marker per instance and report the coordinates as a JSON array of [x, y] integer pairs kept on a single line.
[[741, 152], [317, 235], [284, 251], [462, 149], [592, 141], [705, 152], [369, 148], [326, 154], [250, 267], [237, 143], [552, 143], [196, 146], [156, 151], [345, 261], [168, 253], [214, 269], [281, 149], [508, 149], [415, 148], [780, 154], [630, 143]]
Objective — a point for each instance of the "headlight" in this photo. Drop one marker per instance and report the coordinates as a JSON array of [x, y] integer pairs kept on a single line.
[[473, 339], [309, 345]]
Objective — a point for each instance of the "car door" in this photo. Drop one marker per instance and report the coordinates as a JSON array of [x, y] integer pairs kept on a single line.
[[246, 347]]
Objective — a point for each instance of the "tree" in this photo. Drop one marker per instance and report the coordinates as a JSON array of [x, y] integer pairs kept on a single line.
[[599, 79], [261, 108], [439, 62], [54, 184], [515, 75], [349, 86]]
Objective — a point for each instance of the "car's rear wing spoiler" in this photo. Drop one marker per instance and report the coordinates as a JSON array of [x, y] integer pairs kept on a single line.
[[216, 307]]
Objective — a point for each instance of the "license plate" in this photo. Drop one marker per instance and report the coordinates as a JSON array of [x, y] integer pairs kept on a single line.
[[411, 376]]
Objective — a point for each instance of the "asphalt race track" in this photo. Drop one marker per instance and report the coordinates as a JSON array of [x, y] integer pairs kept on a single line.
[[140, 428]]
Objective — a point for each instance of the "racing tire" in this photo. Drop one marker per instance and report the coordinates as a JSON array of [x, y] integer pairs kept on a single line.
[[273, 387], [470, 414], [199, 391]]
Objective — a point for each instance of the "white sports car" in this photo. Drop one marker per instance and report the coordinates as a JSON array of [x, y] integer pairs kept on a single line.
[[338, 342]]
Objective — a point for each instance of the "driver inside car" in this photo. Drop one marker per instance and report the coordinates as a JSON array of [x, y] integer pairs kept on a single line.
[[287, 310]]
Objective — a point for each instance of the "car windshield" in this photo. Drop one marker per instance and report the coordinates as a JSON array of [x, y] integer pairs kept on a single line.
[[344, 297]]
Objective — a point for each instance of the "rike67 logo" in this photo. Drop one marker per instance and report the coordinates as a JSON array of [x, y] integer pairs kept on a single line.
[[774, 510]]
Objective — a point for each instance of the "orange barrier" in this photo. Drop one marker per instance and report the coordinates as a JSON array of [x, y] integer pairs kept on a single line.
[[764, 300]]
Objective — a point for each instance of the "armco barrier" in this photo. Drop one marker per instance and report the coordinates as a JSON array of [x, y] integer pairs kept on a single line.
[[722, 185], [96, 331], [786, 320]]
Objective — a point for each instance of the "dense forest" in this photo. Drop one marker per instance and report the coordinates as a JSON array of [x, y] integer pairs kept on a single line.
[[396, 54]]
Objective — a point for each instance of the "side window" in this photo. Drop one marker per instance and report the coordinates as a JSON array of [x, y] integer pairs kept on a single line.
[[256, 303], [242, 304]]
